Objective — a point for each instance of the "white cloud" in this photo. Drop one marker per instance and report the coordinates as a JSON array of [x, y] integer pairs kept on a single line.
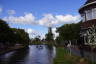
[[68, 18], [47, 20], [50, 20], [32, 33], [26, 19], [1, 10], [55, 33], [11, 12]]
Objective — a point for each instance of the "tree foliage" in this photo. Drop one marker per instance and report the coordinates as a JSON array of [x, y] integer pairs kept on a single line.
[[68, 32], [11, 36], [36, 40], [21, 36], [6, 34]]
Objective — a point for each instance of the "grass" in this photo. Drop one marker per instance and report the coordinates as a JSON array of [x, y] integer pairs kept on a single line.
[[63, 57]]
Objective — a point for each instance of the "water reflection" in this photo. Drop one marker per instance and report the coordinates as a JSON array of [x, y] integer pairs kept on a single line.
[[15, 57], [33, 55]]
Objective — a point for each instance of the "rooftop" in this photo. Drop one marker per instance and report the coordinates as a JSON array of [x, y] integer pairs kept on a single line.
[[89, 1], [88, 4]]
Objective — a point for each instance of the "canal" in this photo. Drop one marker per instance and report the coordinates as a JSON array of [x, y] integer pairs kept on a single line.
[[32, 55]]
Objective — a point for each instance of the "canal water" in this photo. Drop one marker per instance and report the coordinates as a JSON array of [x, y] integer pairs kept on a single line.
[[32, 55]]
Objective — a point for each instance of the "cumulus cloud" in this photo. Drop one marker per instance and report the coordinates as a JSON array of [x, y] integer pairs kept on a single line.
[[51, 20], [1, 10], [11, 12], [26, 19], [47, 20], [32, 33], [68, 18], [55, 33]]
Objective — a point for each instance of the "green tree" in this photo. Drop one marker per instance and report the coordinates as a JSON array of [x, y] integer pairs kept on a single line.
[[6, 34], [36, 40], [21, 36], [68, 32], [11, 36]]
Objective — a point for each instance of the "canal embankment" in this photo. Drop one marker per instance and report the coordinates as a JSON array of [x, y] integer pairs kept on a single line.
[[12, 48], [87, 52], [63, 56]]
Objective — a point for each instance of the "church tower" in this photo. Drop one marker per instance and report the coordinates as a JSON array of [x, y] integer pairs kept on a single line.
[[49, 30], [49, 36]]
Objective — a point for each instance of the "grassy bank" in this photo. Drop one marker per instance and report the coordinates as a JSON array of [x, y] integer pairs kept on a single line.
[[63, 57]]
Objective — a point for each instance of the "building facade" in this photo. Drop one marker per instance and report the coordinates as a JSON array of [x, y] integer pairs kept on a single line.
[[88, 28]]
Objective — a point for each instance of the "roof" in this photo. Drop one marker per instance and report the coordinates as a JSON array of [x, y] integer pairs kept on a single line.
[[89, 1], [87, 5]]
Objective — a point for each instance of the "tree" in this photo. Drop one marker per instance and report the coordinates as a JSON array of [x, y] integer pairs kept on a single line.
[[6, 34], [11, 36], [36, 40], [68, 32], [21, 36]]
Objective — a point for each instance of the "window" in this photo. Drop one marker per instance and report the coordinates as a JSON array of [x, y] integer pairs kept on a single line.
[[94, 13], [88, 14], [83, 17]]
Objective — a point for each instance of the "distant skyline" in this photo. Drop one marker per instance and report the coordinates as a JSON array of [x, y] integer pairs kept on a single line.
[[35, 16]]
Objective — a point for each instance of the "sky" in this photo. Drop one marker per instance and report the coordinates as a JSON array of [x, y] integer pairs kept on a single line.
[[35, 16]]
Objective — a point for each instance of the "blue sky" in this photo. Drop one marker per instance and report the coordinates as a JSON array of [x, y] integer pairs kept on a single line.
[[41, 13]]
